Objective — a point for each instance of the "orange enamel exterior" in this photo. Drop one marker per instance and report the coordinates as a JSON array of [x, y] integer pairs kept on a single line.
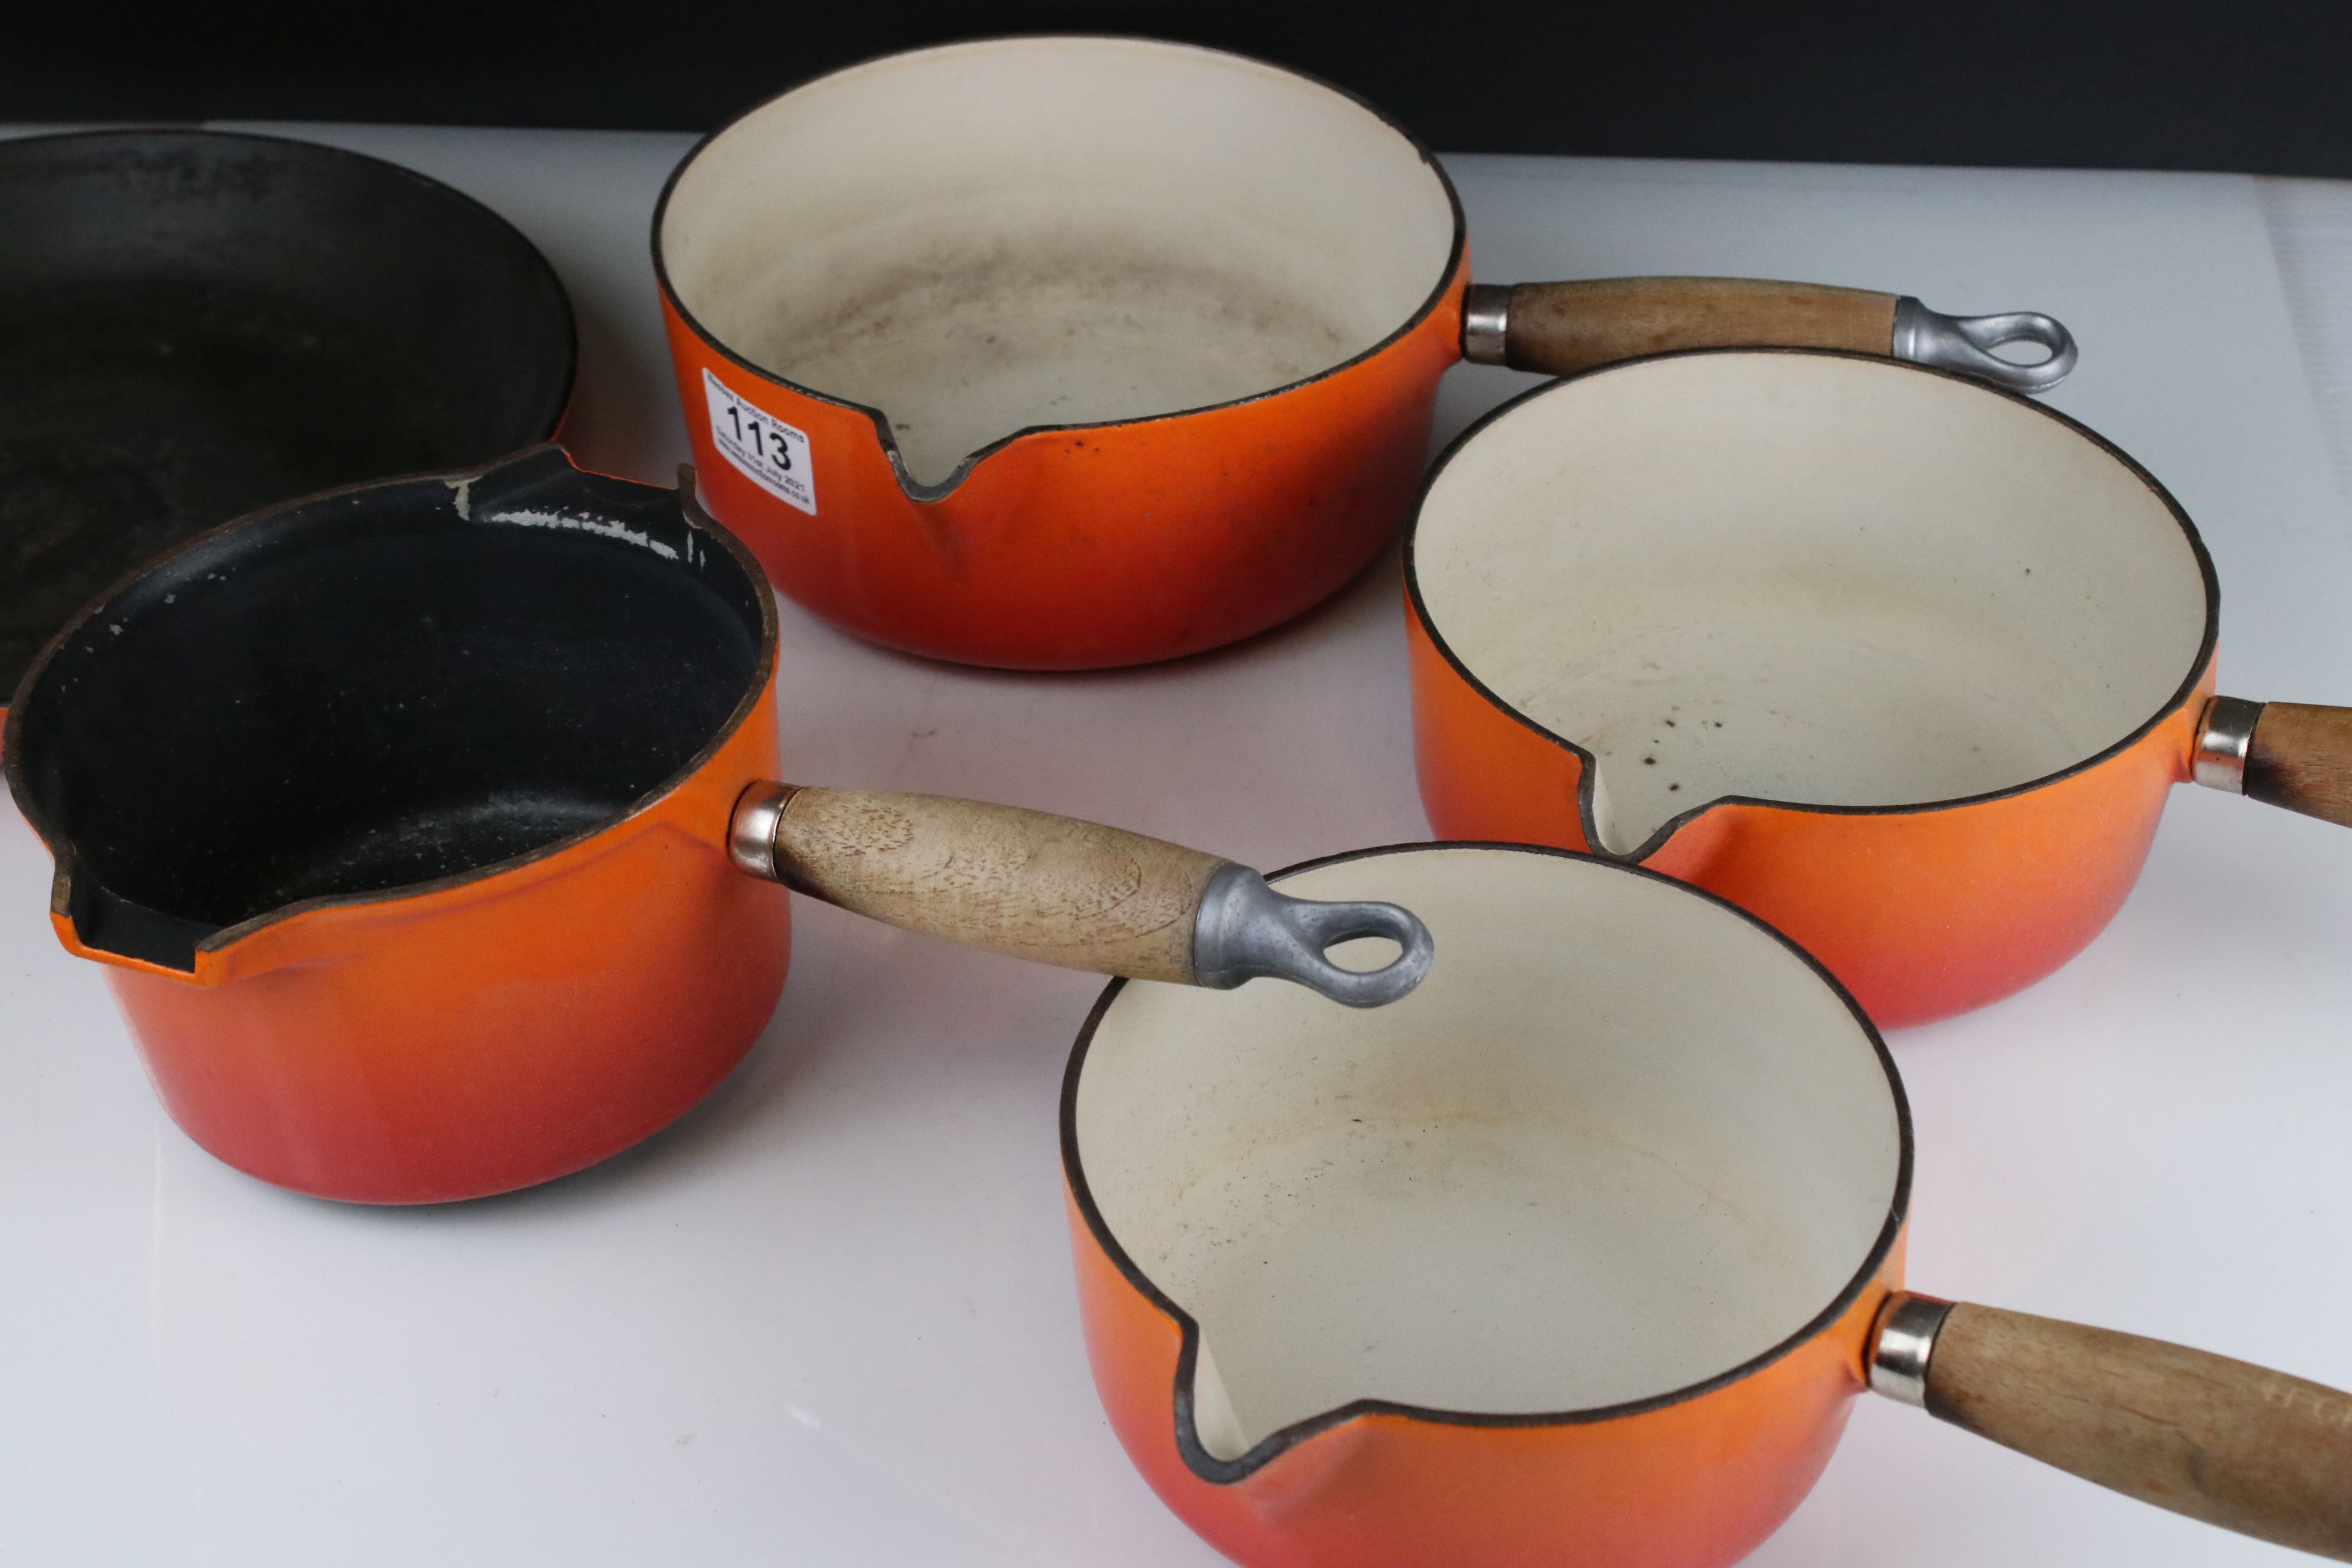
[[473, 1038], [1693, 1481], [1086, 547], [1922, 912]]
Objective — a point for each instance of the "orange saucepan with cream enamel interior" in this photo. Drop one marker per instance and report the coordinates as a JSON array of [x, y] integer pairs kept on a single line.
[[1902, 663], [1575, 1256], [1065, 352]]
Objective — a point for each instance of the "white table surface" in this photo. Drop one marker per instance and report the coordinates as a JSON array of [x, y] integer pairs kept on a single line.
[[828, 1317]]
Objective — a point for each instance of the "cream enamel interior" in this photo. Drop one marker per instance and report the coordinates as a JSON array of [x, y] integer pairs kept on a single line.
[[1621, 1140], [1054, 231], [1826, 581]]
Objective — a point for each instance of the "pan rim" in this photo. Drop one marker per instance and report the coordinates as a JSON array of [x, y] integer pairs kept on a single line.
[[1226, 1472], [212, 947], [919, 490], [1589, 771]]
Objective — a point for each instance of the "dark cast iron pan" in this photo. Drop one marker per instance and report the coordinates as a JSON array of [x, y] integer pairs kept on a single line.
[[195, 324]]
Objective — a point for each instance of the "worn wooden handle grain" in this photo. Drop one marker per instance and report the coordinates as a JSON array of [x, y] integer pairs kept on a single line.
[[1026, 883], [2253, 1450], [1561, 328], [2300, 757]]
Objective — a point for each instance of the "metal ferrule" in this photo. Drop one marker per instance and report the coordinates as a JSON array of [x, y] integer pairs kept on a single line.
[[2223, 737], [752, 831], [1486, 321], [1965, 344], [1904, 1345], [1246, 930]]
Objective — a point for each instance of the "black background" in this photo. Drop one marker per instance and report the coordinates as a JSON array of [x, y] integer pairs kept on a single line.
[[2259, 86]]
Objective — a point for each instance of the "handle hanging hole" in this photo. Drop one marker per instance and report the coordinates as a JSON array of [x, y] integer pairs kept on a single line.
[[1365, 955]]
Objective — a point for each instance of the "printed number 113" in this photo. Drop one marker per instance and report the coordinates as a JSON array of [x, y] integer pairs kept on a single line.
[[774, 451]]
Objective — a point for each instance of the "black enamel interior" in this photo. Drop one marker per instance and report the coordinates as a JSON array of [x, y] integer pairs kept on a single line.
[[193, 325], [390, 685]]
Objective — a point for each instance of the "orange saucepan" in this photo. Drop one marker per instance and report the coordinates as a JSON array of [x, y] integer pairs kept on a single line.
[[428, 830], [1575, 1257], [1065, 352], [1902, 663]]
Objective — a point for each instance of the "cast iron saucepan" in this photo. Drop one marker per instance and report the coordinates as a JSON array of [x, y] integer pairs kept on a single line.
[[413, 821], [1901, 662], [195, 324], [1577, 1257], [1061, 353]]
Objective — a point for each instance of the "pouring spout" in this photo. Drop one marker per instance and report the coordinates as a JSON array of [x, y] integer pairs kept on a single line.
[[1214, 1421], [95, 922]]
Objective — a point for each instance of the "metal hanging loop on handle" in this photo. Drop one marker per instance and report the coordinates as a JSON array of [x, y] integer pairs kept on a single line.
[[1965, 344], [1246, 930]]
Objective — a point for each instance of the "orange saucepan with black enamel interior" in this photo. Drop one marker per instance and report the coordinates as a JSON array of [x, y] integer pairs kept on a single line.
[[1902, 663], [1575, 1257], [1065, 352], [429, 833]]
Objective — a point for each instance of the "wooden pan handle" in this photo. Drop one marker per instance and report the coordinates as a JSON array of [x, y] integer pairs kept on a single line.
[[1020, 882], [2238, 1446], [2300, 757], [1560, 328], [1065, 892]]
